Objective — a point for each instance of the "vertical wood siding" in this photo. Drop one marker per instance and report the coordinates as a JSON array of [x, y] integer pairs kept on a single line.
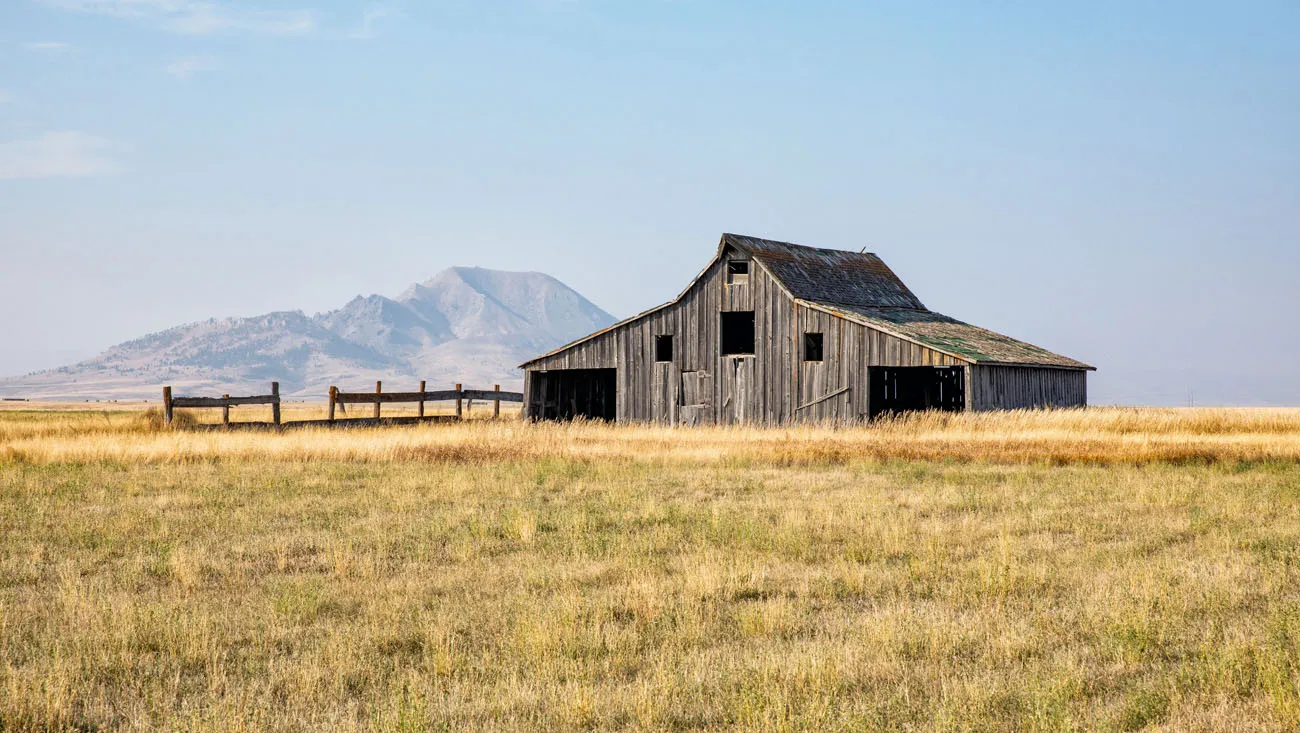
[[1013, 387]]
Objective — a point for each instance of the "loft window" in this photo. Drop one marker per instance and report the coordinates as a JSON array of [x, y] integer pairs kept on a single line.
[[812, 347], [737, 333], [663, 348], [737, 272]]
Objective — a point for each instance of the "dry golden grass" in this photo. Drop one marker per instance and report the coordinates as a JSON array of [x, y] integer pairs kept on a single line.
[[1077, 570], [1097, 435]]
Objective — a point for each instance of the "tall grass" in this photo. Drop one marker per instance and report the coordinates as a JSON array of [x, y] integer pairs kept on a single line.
[[1097, 435], [1074, 570]]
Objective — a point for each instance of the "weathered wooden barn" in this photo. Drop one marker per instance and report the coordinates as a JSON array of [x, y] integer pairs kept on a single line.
[[772, 332]]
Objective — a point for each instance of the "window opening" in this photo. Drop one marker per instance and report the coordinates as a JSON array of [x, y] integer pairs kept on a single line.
[[664, 348], [737, 333], [812, 347]]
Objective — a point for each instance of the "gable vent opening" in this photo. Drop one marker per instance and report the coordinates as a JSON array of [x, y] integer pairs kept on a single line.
[[737, 272]]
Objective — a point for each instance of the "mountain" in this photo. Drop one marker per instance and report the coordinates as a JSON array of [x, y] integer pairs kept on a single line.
[[466, 324]]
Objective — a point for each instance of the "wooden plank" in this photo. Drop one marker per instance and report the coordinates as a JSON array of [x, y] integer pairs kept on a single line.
[[529, 411], [167, 405], [487, 394], [545, 393], [459, 394], [367, 398], [379, 388], [225, 411], [275, 406], [496, 400], [419, 411], [356, 422], [222, 402], [334, 396]]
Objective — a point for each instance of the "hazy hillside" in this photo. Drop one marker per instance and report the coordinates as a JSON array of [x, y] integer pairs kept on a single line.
[[465, 324]]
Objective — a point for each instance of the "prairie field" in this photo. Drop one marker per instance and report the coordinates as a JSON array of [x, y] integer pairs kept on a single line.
[[1099, 569]]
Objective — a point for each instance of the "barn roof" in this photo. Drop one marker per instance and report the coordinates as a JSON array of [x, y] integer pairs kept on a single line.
[[860, 287], [828, 275], [951, 336]]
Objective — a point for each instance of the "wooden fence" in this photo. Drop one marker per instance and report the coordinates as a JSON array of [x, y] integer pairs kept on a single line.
[[225, 402], [379, 397], [339, 400]]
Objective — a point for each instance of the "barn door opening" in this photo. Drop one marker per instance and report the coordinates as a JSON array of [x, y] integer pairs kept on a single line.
[[903, 389], [566, 394]]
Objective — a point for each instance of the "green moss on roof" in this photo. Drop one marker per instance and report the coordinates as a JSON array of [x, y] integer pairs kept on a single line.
[[949, 335]]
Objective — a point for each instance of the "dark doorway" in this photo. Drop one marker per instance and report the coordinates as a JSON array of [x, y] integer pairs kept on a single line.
[[902, 389], [565, 394]]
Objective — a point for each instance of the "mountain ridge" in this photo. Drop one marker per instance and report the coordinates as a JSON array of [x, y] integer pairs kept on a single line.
[[470, 325]]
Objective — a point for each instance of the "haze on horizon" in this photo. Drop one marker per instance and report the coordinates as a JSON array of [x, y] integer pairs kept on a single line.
[[1118, 182]]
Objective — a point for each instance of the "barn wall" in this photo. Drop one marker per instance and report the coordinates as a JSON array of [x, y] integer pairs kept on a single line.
[[840, 373], [701, 386], [1014, 387], [681, 391], [778, 386], [838, 387]]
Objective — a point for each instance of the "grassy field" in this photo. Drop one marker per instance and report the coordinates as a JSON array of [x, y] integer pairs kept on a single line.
[[1107, 569]]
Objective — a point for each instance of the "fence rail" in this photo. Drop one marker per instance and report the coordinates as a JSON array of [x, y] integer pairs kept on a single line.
[[340, 399], [380, 397]]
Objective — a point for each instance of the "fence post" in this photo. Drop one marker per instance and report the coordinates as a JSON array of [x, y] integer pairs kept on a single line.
[[167, 405], [334, 394], [458, 413], [225, 411], [379, 386], [420, 409], [496, 401], [275, 406]]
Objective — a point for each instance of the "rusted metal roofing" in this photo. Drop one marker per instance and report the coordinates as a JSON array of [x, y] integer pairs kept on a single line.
[[828, 275], [951, 336]]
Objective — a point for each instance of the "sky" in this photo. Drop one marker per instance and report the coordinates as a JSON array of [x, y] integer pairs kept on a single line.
[[1115, 181]]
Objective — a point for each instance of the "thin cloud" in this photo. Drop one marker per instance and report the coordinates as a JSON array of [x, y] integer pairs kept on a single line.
[[183, 68], [55, 155], [5, 97], [198, 17], [367, 28], [47, 46]]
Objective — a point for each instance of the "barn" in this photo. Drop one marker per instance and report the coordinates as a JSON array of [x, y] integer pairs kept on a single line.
[[772, 332]]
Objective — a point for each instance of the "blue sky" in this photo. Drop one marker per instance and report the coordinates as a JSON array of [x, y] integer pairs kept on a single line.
[[1116, 181]]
